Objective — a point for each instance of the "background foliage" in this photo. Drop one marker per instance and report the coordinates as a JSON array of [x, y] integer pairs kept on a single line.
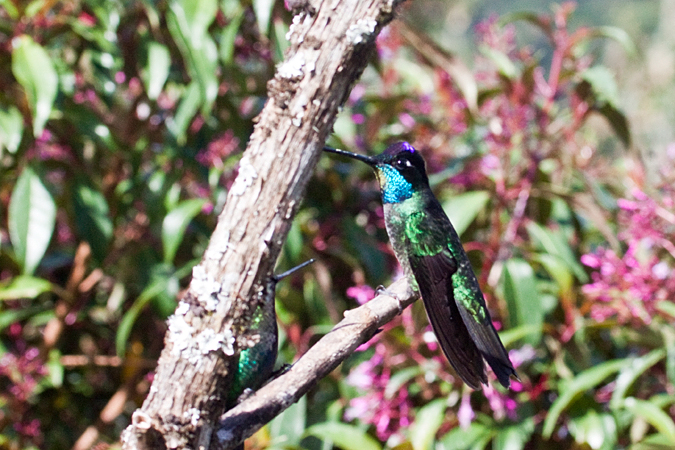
[[121, 124]]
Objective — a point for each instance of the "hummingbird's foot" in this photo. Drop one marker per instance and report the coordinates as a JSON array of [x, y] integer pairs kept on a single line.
[[245, 395], [381, 290], [280, 371]]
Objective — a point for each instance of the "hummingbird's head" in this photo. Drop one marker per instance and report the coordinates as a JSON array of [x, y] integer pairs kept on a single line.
[[400, 170]]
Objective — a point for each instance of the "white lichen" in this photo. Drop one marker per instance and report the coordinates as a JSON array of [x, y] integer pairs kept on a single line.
[[311, 66], [296, 21], [205, 286], [357, 32], [292, 68], [215, 254], [193, 414], [180, 333], [182, 309], [209, 341], [245, 177]]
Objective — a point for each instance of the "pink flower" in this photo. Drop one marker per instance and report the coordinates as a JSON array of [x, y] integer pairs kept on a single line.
[[388, 412], [465, 413], [629, 287], [361, 293], [218, 150]]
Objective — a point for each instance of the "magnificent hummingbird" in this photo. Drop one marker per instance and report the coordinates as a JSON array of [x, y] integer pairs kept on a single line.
[[256, 363], [432, 257]]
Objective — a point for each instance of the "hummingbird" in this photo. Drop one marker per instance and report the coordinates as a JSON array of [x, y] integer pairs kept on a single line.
[[432, 257], [256, 364]]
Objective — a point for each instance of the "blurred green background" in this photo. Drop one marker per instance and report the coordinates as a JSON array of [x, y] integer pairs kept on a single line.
[[547, 134]]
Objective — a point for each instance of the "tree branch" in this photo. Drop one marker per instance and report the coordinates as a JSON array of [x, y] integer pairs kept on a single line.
[[358, 326], [331, 41]]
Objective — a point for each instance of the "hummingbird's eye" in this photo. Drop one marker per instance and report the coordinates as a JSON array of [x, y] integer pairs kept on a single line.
[[403, 163]]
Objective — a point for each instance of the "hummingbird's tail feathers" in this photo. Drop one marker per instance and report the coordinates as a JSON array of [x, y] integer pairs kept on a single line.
[[504, 371], [433, 275], [487, 340]]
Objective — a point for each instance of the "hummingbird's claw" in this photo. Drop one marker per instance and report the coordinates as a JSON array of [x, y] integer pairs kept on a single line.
[[281, 370], [245, 394], [381, 290]]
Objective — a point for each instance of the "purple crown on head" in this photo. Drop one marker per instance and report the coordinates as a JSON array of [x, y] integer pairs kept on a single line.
[[399, 147]]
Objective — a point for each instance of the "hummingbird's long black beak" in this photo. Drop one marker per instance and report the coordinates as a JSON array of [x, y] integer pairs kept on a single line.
[[294, 269], [366, 159]]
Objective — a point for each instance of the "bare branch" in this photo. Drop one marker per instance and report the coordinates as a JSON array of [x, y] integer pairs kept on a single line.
[[358, 326]]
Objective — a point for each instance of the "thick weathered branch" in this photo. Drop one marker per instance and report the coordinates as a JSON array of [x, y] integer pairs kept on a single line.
[[357, 327], [330, 44]]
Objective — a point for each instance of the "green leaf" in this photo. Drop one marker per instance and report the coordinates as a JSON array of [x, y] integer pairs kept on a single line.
[[554, 243], [514, 437], [195, 17], [92, 219], [11, 316], [427, 422], [631, 372], [24, 287], [513, 335], [187, 109], [263, 12], [505, 66], [281, 44], [347, 437], [653, 442], [558, 270], [400, 378], [294, 242], [541, 21], [598, 431], [288, 428], [667, 307], [652, 414], [522, 299], [618, 121], [462, 209], [188, 22], [603, 84], [175, 224], [156, 287], [585, 380], [10, 9], [669, 342], [228, 36], [55, 368], [157, 70], [34, 70], [617, 34], [31, 219], [475, 437], [11, 129]]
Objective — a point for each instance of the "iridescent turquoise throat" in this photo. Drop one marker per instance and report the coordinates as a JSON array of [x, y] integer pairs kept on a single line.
[[395, 188]]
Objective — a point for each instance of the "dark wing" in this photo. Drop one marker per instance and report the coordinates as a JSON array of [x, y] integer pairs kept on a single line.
[[433, 274], [487, 340], [453, 299]]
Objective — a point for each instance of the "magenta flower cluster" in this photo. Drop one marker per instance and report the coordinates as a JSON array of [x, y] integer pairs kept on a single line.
[[389, 412], [628, 285], [21, 372]]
